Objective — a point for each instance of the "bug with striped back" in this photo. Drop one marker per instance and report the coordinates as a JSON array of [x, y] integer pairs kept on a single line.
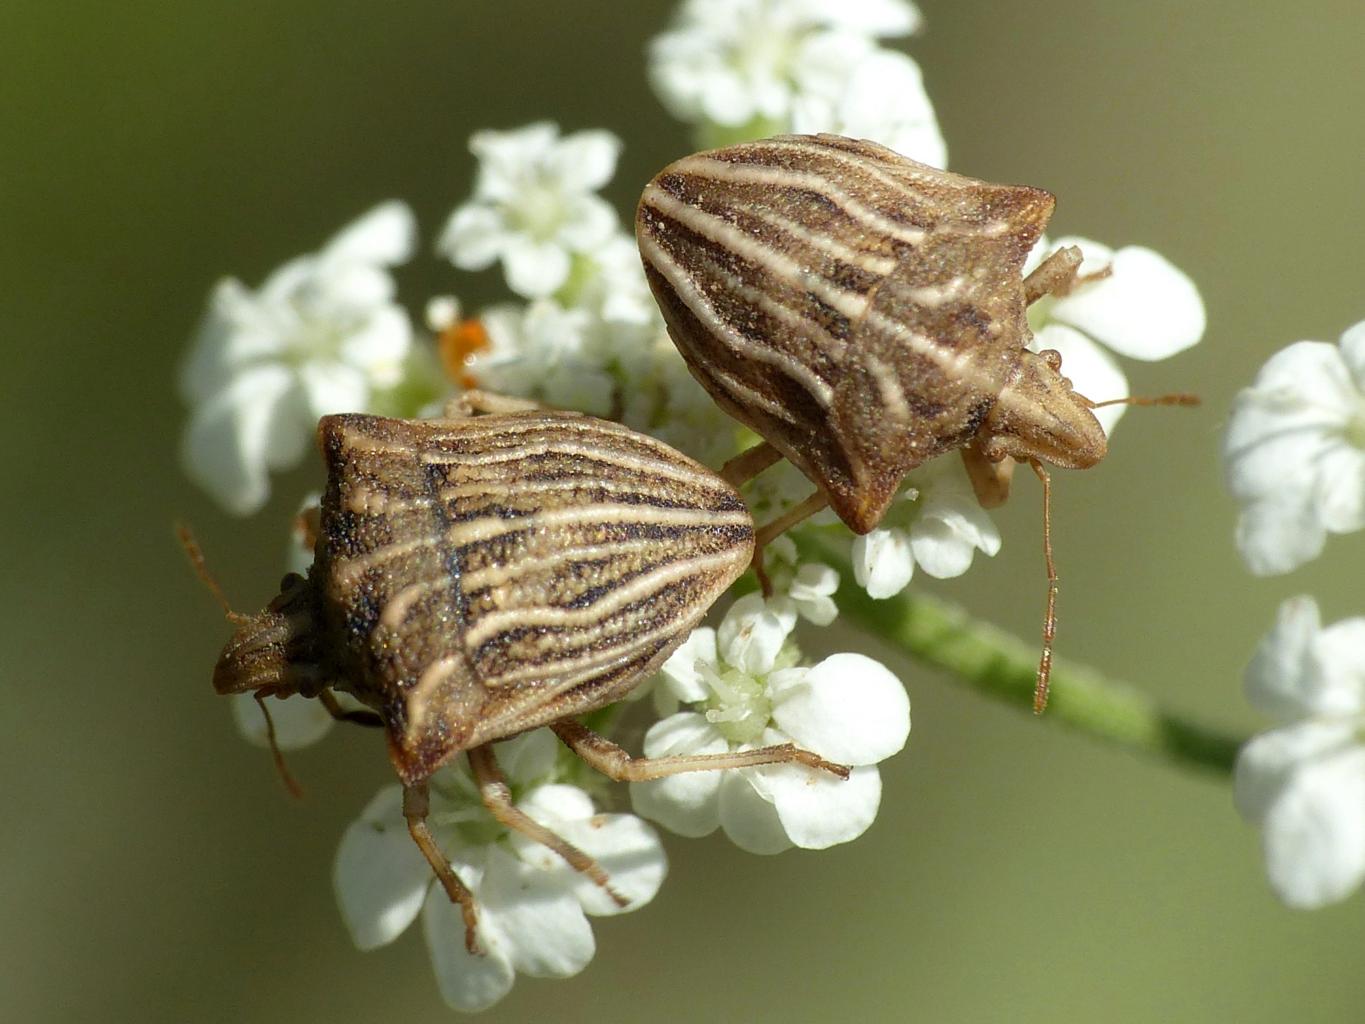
[[480, 576], [865, 313]]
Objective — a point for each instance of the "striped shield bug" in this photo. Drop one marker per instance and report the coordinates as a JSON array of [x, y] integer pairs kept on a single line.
[[864, 313], [479, 576]]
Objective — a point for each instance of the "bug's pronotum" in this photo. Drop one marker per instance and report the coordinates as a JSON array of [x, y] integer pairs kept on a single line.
[[480, 576], [865, 313]]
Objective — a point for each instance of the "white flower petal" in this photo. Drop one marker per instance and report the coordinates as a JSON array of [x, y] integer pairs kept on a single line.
[[1338, 669], [750, 821], [534, 269], [818, 810], [680, 671], [625, 847], [883, 563], [589, 221], [1275, 676], [1267, 763], [753, 632], [384, 236], [474, 237], [1352, 347], [848, 709], [1145, 309], [584, 161], [1276, 537], [333, 387], [686, 804], [380, 347], [1314, 832], [298, 722], [529, 758], [228, 443], [545, 932], [1340, 497], [380, 876], [467, 982]]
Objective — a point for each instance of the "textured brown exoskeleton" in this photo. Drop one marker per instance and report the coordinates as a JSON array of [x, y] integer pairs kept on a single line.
[[865, 313], [477, 577]]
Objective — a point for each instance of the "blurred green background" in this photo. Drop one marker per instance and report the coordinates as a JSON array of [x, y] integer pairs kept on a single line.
[[152, 867]]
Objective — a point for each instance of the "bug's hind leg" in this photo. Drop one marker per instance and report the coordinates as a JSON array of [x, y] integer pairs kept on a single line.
[[416, 806], [616, 763], [1059, 275], [498, 799]]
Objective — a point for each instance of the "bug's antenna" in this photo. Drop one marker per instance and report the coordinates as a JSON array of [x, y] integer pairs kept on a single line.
[[290, 783], [1050, 620], [196, 556], [1179, 398]]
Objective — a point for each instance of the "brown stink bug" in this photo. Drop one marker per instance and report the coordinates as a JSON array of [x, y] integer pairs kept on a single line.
[[479, 576], [865, 313]]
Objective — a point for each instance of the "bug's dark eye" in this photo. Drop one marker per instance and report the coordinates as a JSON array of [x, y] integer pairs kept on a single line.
[[290, 581]]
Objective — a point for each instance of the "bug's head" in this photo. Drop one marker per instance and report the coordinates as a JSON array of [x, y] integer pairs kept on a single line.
[[1039, 416], [276, 649]]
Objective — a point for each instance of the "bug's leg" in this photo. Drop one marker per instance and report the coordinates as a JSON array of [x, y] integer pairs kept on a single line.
[[616, 763], [769, 532], [990, 480], [1058, 275], [290, 783], [749, 463], [498, 799], [1050, 619], [358, 716], [416, 805], [472, 402]]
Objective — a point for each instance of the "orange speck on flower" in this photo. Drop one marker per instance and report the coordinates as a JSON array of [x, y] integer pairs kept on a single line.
[[458, 344]]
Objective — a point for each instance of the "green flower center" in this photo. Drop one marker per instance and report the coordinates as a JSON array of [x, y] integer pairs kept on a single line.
[[540, 211], [739, 706]]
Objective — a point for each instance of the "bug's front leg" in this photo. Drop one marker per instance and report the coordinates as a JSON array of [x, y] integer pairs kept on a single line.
[[617, 764], [473, 401], [990, 480], [416, 806], [1059, 275]]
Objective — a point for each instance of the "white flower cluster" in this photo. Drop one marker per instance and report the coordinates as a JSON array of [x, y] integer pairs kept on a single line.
[[745, 69], [743, 688], [322, 335], [1295, 452], [1295, 460], [580, 330], [532, 905]]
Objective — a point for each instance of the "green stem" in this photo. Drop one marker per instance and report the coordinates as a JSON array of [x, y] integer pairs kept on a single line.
[[1003, 666]]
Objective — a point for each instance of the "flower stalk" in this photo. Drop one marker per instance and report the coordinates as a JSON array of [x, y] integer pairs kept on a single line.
[[1000, 665]]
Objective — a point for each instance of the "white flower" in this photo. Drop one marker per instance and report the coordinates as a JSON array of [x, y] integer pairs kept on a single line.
[[1144, 308], [319, 336], [809, 587], [547, 352], [531, 905], [855, 104], [1295, 452], [751, 63], [935, 522], [534, 205], [746, 692], [1303, 783]]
